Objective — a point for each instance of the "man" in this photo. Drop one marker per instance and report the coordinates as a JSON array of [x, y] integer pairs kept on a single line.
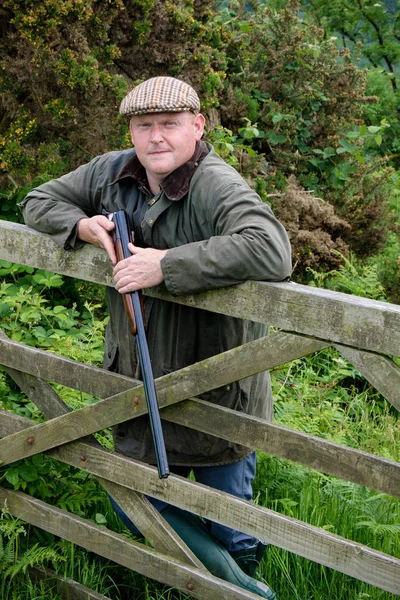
[[197, 226]]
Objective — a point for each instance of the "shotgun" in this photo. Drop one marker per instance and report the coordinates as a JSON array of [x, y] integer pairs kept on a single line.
[[134, 309]]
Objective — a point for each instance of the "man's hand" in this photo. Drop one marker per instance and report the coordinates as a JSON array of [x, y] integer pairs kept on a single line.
[[141, 270], [96, 230]]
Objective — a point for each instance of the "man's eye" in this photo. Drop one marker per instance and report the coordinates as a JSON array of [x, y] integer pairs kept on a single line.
[[170, 124]]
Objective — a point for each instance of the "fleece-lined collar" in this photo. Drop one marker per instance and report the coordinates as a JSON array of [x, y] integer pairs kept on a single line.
[[177, 183]]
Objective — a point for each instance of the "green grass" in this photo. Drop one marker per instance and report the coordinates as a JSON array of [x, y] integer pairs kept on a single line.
[[337, 506]]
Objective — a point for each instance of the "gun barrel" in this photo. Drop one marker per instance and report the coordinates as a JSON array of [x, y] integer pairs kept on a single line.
[[122, 238]]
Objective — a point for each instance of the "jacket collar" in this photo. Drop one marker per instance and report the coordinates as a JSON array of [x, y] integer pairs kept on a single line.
[[177, 183]]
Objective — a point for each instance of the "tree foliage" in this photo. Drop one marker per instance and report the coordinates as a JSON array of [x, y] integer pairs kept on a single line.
[[307, 97], [372, 30], [364, 23]]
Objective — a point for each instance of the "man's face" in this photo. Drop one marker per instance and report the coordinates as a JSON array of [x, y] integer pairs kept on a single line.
[[165, 141]]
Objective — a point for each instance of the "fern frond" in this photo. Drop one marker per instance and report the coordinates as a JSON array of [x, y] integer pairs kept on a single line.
[[380, 529], [37, 555], [7, 554]]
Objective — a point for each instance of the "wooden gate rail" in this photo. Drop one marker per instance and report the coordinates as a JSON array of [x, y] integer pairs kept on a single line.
[[349, 320], [367, 333]]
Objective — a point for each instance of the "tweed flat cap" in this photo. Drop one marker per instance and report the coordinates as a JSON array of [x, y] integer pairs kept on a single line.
[[160, 94]]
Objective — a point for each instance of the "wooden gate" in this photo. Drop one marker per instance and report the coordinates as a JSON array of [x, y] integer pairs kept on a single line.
[[366, 332]]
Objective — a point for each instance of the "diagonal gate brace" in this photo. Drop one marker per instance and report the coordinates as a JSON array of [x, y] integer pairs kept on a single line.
[[194, 380]]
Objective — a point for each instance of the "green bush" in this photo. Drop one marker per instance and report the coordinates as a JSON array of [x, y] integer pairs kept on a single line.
[[306, 99]]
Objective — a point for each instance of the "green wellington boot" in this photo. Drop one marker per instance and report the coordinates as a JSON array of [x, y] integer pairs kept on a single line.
[[250, 558], [211, 552]]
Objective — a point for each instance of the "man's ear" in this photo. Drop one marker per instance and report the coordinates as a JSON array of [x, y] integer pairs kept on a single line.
[[199, 122], [131, 129]]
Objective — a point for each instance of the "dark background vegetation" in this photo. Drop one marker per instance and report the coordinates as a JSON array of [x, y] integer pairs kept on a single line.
[[301, 97]]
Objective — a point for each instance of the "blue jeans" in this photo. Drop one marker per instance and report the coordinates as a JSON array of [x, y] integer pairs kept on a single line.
[[235, 479]]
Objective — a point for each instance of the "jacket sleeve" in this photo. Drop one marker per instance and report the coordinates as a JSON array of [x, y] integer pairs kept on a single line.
[[56, 206], [247, 242]]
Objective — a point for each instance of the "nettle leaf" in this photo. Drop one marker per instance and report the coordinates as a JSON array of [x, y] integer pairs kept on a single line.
[[374, 128], [29, 315], [40, 332], [329, 151], [48, 279], [28, 472], [4, 308], [346, 146], [275, 138], [12, 476], [16, 336], [315, 162], [59, 309], [100, 519]]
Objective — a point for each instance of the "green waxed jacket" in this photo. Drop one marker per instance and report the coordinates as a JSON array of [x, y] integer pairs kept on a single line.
[[219, 233]]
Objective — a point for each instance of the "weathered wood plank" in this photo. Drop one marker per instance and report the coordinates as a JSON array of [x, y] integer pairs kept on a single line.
[[332, 316], [322, 455], [50, 367], [10, 423], [290, 534], [121, 550], [317, 545], [66, 588], [23, 245], [327, 315], [264, 354], [193, 380], [379, 370]]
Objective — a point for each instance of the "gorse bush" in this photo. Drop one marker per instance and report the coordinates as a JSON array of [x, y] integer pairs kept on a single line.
[[63, 72], [55, 84]]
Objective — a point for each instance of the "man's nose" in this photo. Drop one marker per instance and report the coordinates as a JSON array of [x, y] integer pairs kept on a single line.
[[155, 133]]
